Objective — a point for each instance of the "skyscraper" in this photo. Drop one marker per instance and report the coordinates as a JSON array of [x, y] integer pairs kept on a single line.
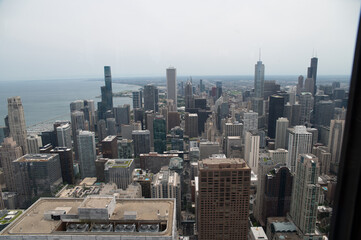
[[276, 110], [137, 99], [167, 184], [281, 133], [219, 89], [150, 98], [312, 73], [188, 96], [223, 199], [107, 94], [9, 151], [172, 85], [251, 150], [77, 124], [122, 114], [66, 163], [299, 142], [110, 147], [259, 79], [34, 143], [191, 125], [277, 193], [160, 134], [36, 175], [87, 153], [141, 141], [250, 122], [335, 142], [173, 120], [17, 125], [324, 112], [306, 102], [305, 193], [63, 134]]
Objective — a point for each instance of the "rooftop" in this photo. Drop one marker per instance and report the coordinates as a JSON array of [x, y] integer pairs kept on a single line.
[[223, 163], [118, 163], [43, 157], [284, 227], [96, 202], [88, 181], [258, 233], [33, 222], [109, 138]]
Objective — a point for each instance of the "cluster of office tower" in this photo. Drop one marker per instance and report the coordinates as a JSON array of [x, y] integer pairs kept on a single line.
[[224, 161]]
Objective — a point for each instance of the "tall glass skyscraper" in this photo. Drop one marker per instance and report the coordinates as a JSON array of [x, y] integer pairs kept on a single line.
[[259, 80], [312, 73], [107, 94], [172, 84]]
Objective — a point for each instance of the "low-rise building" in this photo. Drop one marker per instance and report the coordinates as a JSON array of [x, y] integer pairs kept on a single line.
[[96, 217]]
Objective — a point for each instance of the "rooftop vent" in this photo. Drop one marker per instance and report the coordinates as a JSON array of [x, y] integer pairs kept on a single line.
[[102, 228], [125, 228], [148, 228], [77, 227]]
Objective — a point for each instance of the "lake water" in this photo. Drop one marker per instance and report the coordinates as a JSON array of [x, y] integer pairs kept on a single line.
[[46, 100]]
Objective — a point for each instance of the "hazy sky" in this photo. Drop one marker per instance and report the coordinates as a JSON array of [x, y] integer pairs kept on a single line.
[[46, 39]]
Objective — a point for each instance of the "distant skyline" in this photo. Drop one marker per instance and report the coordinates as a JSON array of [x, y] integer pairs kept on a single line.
[[42, 39]]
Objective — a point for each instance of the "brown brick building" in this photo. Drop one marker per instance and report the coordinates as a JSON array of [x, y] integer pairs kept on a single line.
[[223, 199]]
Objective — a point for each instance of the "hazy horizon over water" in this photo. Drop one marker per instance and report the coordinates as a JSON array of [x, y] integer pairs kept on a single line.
[[45, 100]]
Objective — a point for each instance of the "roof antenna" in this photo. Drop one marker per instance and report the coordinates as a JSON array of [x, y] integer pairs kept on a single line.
[[259, 54], [313, 52]]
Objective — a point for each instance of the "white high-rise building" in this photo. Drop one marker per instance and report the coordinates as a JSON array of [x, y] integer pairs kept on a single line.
[[251, 150], [305, 193], [167, 184], [250, 121], [299, 142], [172, 85], [87, 153], [17, 124], [281, 132], [335, 142], [34, 143], [63, 134]]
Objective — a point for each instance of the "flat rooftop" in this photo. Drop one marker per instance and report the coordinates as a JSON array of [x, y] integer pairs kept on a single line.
[[32, 221], [116, 163], [43, 157], [89, 181], [109, 138], [223, 163], [96, 202]]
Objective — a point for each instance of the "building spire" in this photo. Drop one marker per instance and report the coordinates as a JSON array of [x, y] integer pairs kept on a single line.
[[259, 54]]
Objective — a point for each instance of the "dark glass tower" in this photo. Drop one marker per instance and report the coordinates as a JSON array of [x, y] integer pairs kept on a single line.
[[312, 73], [276, 108], [107, 94], [150, 98], [160, 133]]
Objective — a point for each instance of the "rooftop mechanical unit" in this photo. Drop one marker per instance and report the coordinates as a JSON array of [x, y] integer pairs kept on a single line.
[[102, 228], [77, 227], [148, 228], [124, 228]]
